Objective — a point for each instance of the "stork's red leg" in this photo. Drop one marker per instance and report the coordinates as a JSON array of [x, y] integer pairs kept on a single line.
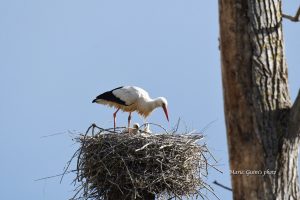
[[115, 115], [129, 118]]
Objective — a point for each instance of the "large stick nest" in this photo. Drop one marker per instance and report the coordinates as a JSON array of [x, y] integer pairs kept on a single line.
[[165, 165]]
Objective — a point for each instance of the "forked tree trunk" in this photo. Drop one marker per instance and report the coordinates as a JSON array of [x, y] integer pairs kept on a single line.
[[262, 126]]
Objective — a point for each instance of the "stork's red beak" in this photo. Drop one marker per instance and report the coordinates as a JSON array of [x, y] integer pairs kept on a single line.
[[166, 111]]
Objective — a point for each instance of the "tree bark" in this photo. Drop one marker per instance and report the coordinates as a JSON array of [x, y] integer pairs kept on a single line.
[[262, 126]]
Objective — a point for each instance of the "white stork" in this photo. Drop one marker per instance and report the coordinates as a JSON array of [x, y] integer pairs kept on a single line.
[[130, 99]]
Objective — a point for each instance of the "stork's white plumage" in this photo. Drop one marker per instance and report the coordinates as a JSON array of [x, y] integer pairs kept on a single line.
[[130, 99]]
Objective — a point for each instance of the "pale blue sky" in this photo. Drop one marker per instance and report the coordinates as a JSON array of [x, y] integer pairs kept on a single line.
[[56, 56]]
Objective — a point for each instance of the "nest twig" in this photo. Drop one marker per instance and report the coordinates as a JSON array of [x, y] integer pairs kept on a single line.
[[165, 165]]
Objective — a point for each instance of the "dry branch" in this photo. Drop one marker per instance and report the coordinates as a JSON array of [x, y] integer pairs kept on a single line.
[[295, 18]]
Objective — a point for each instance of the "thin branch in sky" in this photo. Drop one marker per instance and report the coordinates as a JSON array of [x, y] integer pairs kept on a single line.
[[295, 18], [222, 186]]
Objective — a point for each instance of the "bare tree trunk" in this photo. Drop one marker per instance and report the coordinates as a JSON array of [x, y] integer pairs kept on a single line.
[[262, 126]]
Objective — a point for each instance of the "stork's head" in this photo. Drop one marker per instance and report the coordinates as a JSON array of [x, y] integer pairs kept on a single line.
[[164, 104]]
